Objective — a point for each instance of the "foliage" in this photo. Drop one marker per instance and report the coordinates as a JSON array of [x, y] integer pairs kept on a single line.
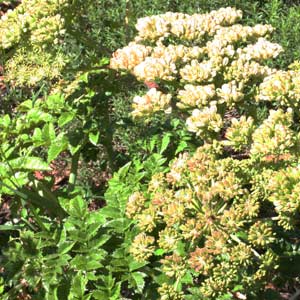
[[197, 127], [60, 260]]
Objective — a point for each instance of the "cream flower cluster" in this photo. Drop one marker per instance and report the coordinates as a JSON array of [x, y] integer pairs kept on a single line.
[[148, 63], [208, 58], [238, 32], [260, 51], [18, 22], [230, 93], [274, 136], [34, 28], [23, 64], [223, 43], [204, 95], [244, 71], [48, 30], [195, 96], [205, 122], [129, 57], [152, 68], [178, 52], [11, 30], [199, 72], [284, 186], [185, 26], [205, 198], [282, 87], [152, 102]]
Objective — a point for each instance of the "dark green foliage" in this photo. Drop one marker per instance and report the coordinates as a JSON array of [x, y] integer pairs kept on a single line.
[[71, 240]]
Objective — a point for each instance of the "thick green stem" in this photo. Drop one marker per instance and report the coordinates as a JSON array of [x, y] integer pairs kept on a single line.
[[74, 169]]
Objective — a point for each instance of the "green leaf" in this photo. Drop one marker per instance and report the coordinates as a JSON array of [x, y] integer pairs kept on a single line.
[[25, 106], [165, 143], [77, 207], [111, 212], [104, 61], [100, 295], [139, 280], [119, 225], [65, 247], [52, 134], [182, 145], [187, 278], [96, 217], [10, 227], [94, 138], [37, 136], [57, 146], [242, 235], [48, 133], [226, 297], [159, 252], [92, 230], [65, 118], [86, 263], [152, 143], [55, 101], [134, 265], [238, 288], [27, 163], [84, 77], [5, 121], [116, 291], [124, 170], [73, 149], [78, 286], [98, 242], [75, 140]]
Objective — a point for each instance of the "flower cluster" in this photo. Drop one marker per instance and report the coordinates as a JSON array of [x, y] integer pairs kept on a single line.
[[22, 21], [152, 68], [39, 39], [129, 57], [205, 122], [168, 292], [238, 135], [201, 203], [153, 101], [39, 26], [206, 61], [274, 136], [142, 247], [185, 26], [282, 87], [195, 96], [260, 51], [284, 190], [230, 93], [207, 213]]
